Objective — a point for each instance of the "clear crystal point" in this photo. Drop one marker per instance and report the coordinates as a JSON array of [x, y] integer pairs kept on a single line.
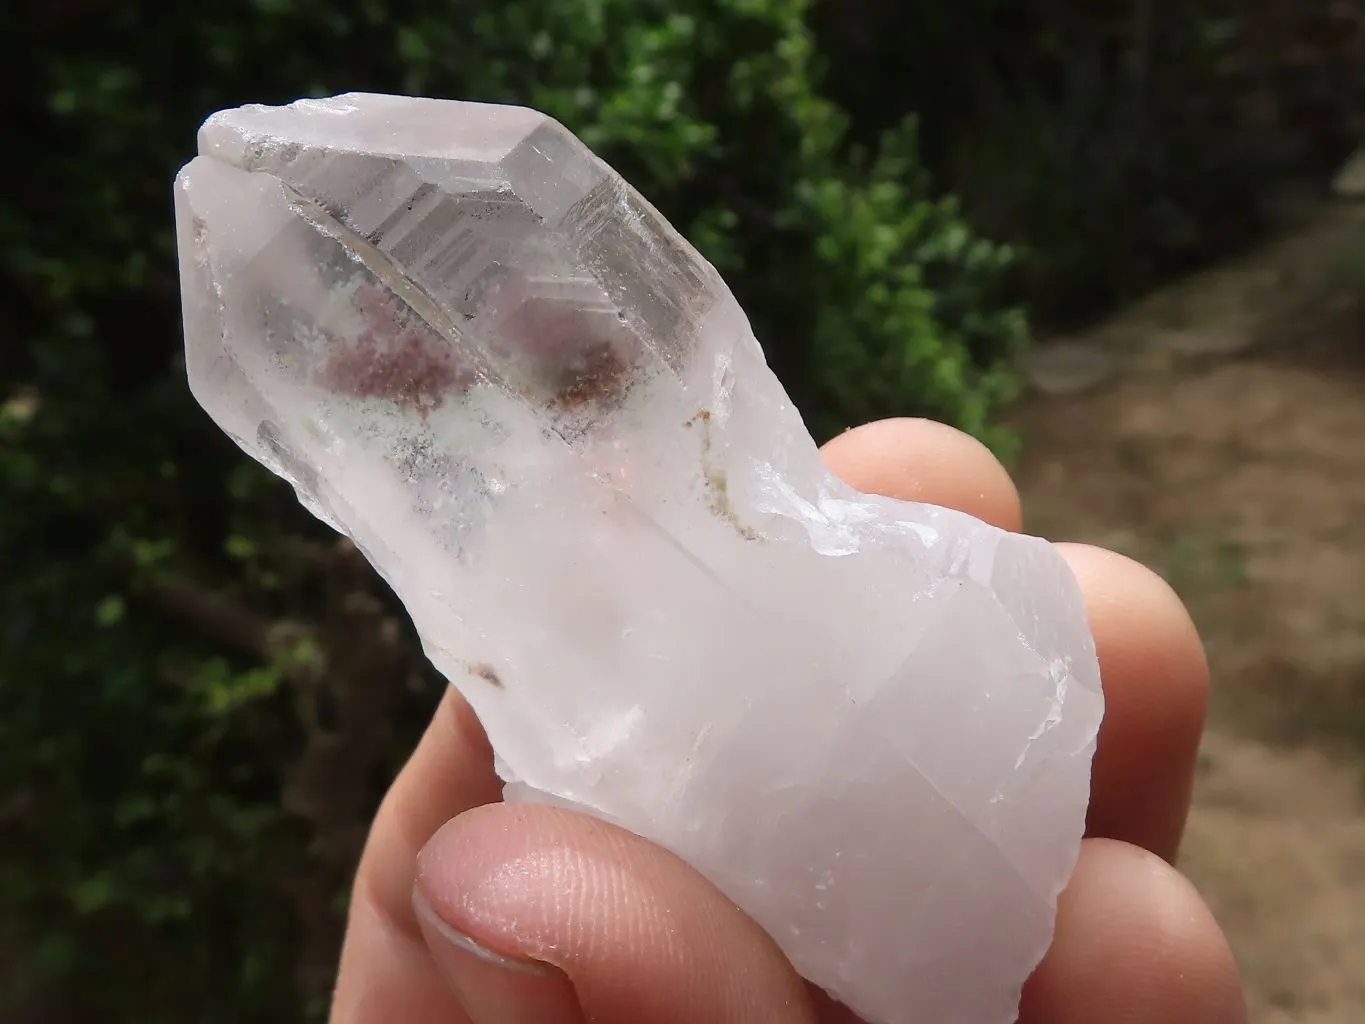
[[475, 350]]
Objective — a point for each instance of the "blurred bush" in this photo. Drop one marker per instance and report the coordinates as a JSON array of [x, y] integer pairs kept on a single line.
[[201, 693]]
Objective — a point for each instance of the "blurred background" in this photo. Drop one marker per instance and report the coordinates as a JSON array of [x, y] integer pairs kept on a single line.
[[1121, 240]]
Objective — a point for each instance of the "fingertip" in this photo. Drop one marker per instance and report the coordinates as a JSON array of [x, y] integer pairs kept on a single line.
[[921, 460], [1156, 682], [1114, 583], [1134, 942]]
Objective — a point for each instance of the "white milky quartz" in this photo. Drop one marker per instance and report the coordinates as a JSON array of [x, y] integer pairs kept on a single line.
[[475, 350]]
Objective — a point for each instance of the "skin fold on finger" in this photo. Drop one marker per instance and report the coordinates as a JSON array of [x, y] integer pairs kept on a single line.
[[385, 972], [920, 460], [1156, 691], [643, 938], [1134, 945]]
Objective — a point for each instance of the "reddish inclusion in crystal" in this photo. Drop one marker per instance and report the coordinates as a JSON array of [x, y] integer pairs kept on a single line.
[[395, 358]]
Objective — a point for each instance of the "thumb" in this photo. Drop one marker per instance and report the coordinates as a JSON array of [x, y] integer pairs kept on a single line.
[[491, 987], [538, 914]]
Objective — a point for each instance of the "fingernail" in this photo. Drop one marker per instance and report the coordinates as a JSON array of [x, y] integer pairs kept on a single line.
[[432, 923], [494, 988]]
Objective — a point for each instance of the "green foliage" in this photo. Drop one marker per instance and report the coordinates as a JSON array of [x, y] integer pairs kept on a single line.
[[174, 659], [949, 281]]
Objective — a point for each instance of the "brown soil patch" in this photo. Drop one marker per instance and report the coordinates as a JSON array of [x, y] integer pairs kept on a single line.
[[1277, 846], [1242, 481]]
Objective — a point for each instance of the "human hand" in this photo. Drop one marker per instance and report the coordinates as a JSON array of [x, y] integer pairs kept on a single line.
[[470, 911]]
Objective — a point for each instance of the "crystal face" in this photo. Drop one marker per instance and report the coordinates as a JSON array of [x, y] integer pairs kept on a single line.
[[475, 350]]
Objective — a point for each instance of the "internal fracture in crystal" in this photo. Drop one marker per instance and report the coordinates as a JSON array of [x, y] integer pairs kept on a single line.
[[474, 349]]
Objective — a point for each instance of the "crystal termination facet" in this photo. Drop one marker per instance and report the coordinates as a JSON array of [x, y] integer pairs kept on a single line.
[[476, 351]]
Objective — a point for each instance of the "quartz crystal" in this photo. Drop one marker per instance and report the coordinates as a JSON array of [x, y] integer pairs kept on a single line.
[[475, 350]]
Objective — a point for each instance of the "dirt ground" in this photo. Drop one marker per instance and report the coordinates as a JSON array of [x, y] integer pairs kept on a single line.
[[1225, 446]]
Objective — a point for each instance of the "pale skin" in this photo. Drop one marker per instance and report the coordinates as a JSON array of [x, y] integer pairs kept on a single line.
[[577, 921]]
